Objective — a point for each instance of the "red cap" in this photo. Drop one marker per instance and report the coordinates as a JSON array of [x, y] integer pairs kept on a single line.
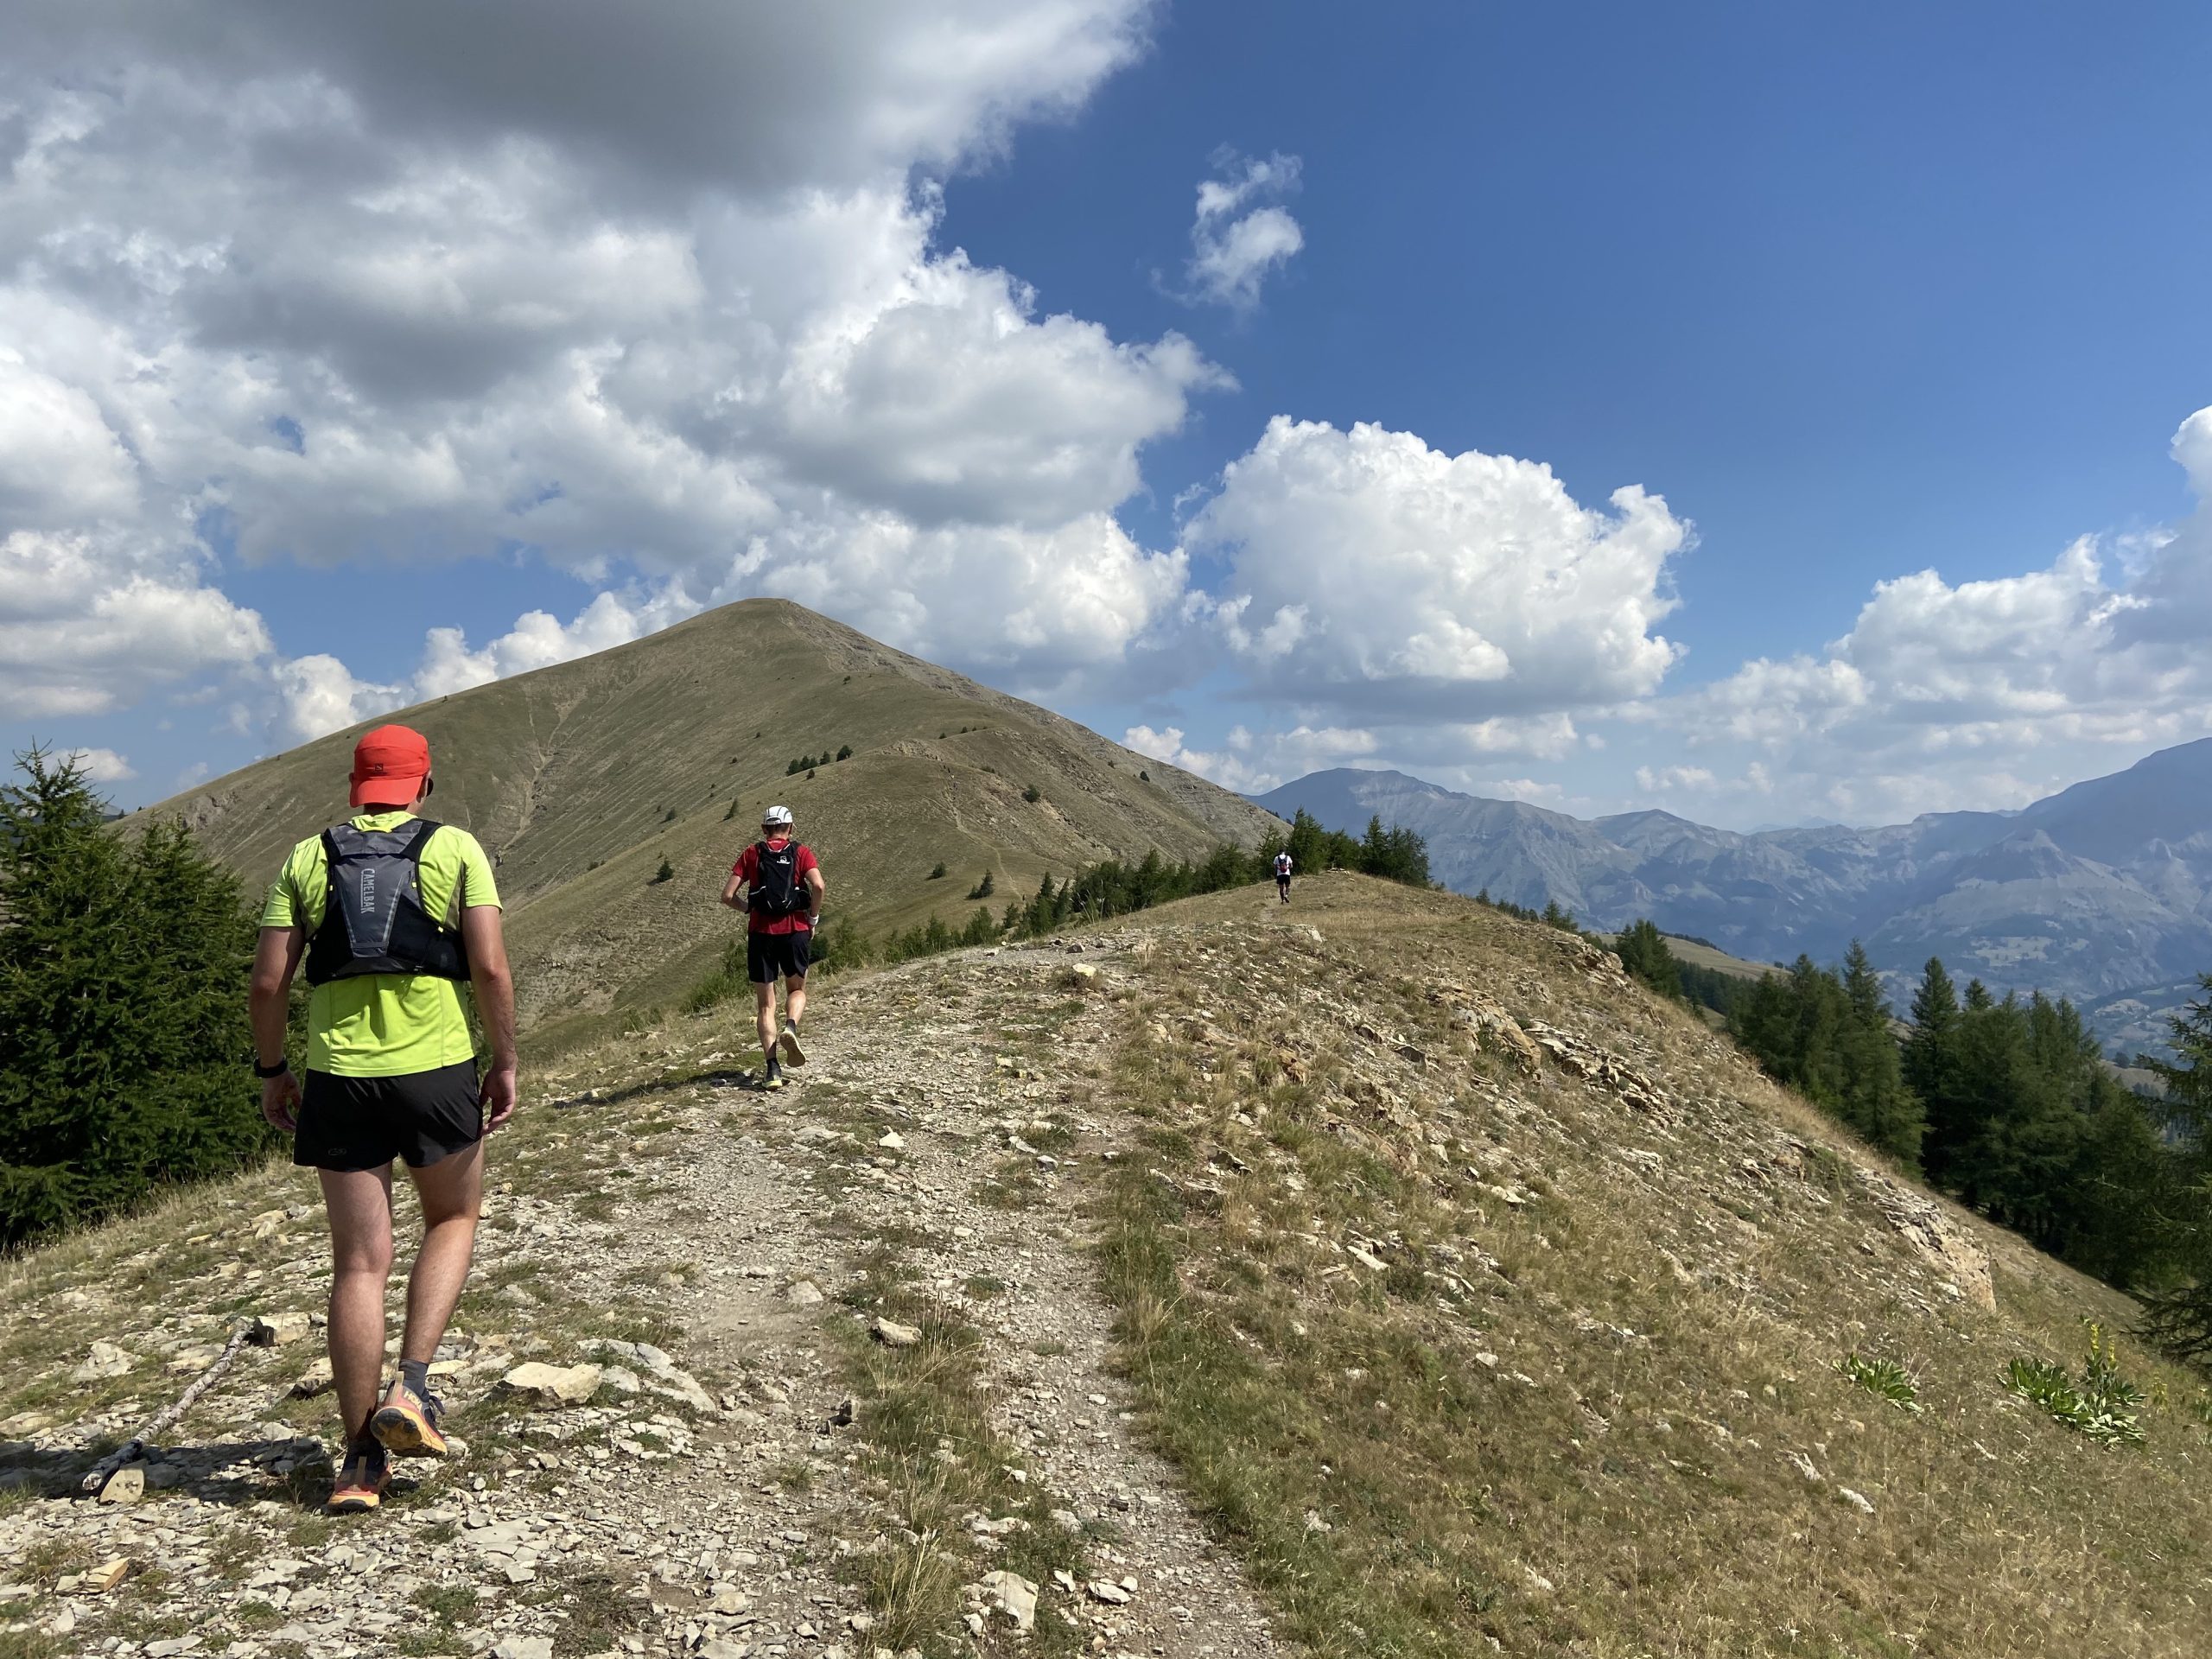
[[389, 766]]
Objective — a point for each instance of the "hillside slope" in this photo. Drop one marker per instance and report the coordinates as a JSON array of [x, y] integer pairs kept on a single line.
[[1379, 1276], [582, 778], [2102, 892]]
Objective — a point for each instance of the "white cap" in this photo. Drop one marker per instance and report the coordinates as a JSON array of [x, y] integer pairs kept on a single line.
[[777, 815]]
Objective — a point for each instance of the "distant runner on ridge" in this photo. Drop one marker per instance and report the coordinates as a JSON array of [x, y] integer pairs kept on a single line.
[[783, 907], [393, 915], [1282, 875]]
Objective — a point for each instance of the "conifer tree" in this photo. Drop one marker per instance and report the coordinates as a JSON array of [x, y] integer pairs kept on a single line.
[[1308, 842], [2182, 1317], [1875, 1099], [1644, 953], [124, 1035]]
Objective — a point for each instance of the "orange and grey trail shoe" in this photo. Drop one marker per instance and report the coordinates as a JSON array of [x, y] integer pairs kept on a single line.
[[792, 1052], [407, 1425], [361, 1479]]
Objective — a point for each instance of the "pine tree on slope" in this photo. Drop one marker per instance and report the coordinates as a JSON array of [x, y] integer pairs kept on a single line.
[[123, 1026]]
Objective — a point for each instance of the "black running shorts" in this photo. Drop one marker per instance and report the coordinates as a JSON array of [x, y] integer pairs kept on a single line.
[[418, 1117], [770, 957]]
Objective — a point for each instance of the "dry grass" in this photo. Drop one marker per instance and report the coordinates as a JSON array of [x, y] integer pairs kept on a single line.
[[1587, 1447], [924, 1415]]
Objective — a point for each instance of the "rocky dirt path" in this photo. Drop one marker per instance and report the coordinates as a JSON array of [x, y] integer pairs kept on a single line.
[[689, 1261]]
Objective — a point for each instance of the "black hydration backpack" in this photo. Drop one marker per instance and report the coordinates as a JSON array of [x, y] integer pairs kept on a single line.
[[776, 890], [373, 921]]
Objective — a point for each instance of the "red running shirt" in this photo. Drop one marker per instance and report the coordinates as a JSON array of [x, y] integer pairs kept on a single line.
[[747, 870]]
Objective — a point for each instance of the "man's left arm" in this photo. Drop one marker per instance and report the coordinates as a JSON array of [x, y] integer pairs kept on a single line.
[[484, 940], [815, 886], [495, 1005]]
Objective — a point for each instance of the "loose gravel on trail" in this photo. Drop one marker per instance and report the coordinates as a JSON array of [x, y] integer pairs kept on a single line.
[[707, 1498]]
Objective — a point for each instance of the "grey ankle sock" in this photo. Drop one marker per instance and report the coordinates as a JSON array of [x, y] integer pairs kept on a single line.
[[416, 1374]]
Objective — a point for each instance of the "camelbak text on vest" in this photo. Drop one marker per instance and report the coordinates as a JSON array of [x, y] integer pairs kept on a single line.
[[374, 920]]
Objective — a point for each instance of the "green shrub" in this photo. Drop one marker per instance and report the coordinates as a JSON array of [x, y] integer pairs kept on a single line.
[[937, 871], [1033, 794], [933, 937], [983, 889], [1884, 1378], [837, 949], [2102, 1404], [727, 980], [666, 873]]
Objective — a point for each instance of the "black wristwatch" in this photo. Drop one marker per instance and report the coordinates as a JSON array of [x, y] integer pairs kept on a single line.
[[266, 1072]]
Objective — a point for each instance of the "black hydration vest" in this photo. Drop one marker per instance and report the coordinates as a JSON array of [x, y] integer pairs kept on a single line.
[[778, 889], [373, 921]]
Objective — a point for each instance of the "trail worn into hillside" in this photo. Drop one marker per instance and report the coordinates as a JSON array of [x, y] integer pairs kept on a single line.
[[721, 1493], [1472, 1299]]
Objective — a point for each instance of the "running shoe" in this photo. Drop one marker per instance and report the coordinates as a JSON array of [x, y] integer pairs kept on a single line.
[[792, 1052], [408, 1427], [361, 1479], [775, 1077]]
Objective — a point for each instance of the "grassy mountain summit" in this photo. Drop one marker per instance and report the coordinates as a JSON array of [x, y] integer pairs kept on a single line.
[[581, 779]]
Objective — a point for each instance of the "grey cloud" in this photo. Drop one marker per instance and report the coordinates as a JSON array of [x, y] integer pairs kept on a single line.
[[754, 95]]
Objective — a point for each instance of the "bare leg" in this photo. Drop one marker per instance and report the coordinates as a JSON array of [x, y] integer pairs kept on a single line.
[[764, 1006], [452, 1191], [795, 999], [359, 1205]]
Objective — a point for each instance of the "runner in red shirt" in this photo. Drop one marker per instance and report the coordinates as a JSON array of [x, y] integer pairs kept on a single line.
[[783, 905]]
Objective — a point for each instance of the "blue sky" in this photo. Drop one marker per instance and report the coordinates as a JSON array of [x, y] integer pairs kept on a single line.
[[1857, 292], [668, 320]]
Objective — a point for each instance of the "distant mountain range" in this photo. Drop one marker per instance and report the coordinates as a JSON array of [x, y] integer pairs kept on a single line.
[[2101, 893]]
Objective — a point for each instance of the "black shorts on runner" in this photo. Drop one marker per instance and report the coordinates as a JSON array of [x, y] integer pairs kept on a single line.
[[417, 1117], [770, 957]]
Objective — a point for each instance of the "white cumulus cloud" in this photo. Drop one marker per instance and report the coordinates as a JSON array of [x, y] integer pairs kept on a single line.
[[318, 695], [1253, 764], [1241, 232], [661, 297], [1366, 570], [103, 766], [539, 640], [91, 621], [1665, 780], [1990, 692]]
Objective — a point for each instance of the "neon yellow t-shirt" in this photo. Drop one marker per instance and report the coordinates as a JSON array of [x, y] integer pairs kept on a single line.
[[386, 1024]]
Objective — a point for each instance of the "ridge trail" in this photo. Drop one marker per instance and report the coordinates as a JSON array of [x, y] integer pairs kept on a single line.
[[739, 1522]]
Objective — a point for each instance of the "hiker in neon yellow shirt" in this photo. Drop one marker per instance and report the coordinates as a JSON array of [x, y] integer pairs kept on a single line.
[[396, 921]]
